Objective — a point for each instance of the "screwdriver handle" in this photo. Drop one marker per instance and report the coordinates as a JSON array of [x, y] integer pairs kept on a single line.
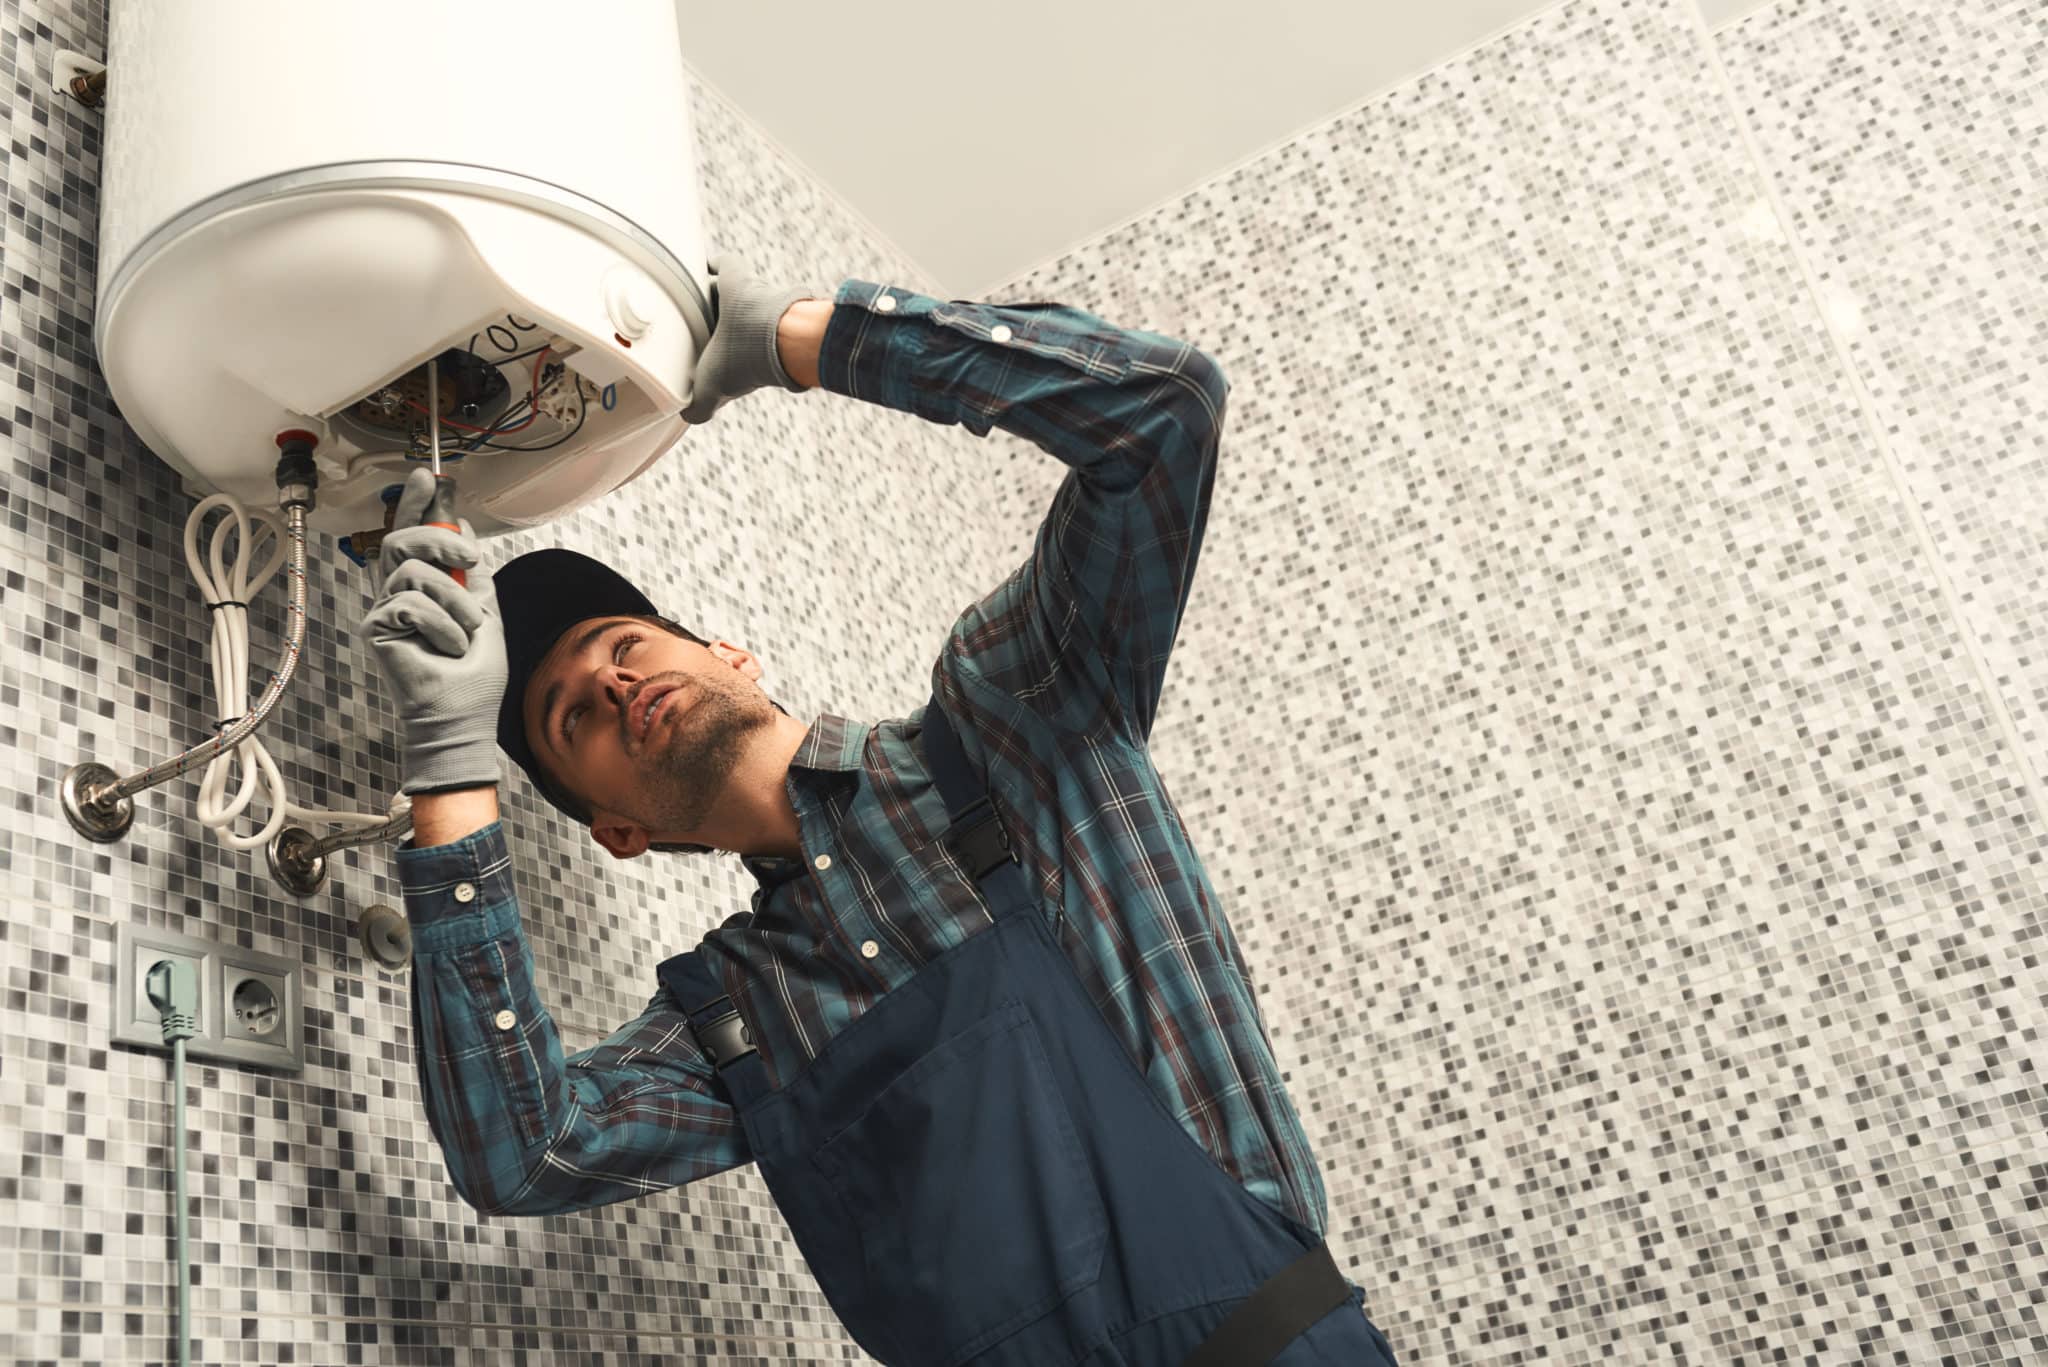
[[441, 513]]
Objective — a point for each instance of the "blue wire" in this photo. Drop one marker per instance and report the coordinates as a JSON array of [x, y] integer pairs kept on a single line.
[[611, 396]]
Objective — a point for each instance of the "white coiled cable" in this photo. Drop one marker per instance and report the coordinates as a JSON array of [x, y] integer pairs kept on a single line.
[[227, 588]]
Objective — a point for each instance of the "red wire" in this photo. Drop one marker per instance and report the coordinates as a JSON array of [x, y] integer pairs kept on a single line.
[[532, 398]]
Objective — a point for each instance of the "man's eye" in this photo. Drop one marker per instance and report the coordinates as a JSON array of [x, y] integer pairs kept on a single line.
[[619, 649]]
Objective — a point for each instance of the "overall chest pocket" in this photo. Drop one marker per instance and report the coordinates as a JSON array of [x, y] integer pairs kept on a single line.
[[976, 1210]]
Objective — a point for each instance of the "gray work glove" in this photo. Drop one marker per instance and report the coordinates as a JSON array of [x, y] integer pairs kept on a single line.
[[741, 356], [442, 646]]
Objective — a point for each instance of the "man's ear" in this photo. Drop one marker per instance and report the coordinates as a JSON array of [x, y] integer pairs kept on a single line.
[[626, 839], [739, 657]]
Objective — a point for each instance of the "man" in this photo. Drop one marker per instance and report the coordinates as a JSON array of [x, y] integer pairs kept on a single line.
[[985, 1031]]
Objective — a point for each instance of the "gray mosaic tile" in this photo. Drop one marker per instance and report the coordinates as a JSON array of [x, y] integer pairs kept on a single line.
[[337, 1194], [527, 1348], [1570, 677], [1639, 888], [280, 1170], [1909, 143]]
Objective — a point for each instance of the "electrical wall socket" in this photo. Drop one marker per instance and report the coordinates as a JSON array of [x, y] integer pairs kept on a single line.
[[136, 1019], [249, 1012], [251, 1004]]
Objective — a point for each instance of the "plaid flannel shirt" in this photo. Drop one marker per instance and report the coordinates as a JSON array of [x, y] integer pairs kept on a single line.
[[1051, 680]]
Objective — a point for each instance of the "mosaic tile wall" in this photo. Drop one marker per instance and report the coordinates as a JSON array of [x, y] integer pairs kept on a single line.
[[1605, 705], [1618, 791], [324, 1228], [1909, 146]]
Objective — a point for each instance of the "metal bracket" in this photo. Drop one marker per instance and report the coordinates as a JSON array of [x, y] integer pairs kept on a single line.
[[74, 73]]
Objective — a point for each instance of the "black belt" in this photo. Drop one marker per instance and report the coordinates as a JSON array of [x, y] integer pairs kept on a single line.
[[1276, 1314]]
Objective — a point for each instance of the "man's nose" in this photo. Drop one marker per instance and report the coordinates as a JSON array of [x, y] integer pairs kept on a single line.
[[617, 682]]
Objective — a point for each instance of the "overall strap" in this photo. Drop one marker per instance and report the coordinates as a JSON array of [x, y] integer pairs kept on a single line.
[[716, 1023], [976, 836], [1280, 1311]]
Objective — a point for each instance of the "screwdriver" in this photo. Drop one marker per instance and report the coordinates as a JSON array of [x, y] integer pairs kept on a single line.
[[440, 513]]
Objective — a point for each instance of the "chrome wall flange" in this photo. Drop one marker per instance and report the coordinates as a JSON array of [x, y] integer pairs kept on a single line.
[[294, 863], [104, 821]]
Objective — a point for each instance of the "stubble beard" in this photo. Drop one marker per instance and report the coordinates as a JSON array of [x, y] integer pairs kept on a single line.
[[691, 758]]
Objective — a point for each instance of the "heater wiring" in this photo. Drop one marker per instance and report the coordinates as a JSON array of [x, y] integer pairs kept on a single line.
[[532, 402], [582, 412]]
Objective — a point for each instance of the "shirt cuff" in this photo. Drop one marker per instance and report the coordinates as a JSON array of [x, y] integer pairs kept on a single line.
[[459, 893], [866, 349]]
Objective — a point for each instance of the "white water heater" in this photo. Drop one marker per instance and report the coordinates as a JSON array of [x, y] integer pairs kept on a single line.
[[308, 203]]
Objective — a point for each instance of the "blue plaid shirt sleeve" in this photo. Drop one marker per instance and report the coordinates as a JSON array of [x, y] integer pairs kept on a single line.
[[526, 1129], [1137, 416]]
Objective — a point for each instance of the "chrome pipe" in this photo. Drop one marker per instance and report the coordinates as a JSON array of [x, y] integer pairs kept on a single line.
[[397, 828], [298, 858]]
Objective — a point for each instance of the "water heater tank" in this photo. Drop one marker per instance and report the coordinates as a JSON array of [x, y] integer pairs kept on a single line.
[[306, 205]]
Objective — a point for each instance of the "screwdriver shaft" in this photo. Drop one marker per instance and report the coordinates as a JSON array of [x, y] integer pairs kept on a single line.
[[434, 410], [442, 510]]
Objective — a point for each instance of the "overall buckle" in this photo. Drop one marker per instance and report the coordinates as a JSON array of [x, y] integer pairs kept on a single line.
[[725, 1038], [979, 840]]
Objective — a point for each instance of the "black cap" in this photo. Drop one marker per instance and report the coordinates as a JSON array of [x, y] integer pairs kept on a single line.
[[541, 595]]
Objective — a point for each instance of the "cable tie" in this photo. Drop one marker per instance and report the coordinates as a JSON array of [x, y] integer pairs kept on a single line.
[[227, 603], [223, 725]]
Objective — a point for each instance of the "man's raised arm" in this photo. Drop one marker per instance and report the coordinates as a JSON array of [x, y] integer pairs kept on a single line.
[[1137, 416], [524, 1128]]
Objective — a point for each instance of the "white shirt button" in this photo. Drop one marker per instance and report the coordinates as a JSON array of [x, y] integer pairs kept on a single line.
[[506, 1020], [465, 892], [886, 303], [869, 949], [823, 861], [999, 333]]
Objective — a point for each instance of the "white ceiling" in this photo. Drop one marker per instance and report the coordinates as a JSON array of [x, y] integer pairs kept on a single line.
[[985, 139]]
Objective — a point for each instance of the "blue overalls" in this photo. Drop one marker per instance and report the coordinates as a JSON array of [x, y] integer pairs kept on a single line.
[[977, 1172]]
